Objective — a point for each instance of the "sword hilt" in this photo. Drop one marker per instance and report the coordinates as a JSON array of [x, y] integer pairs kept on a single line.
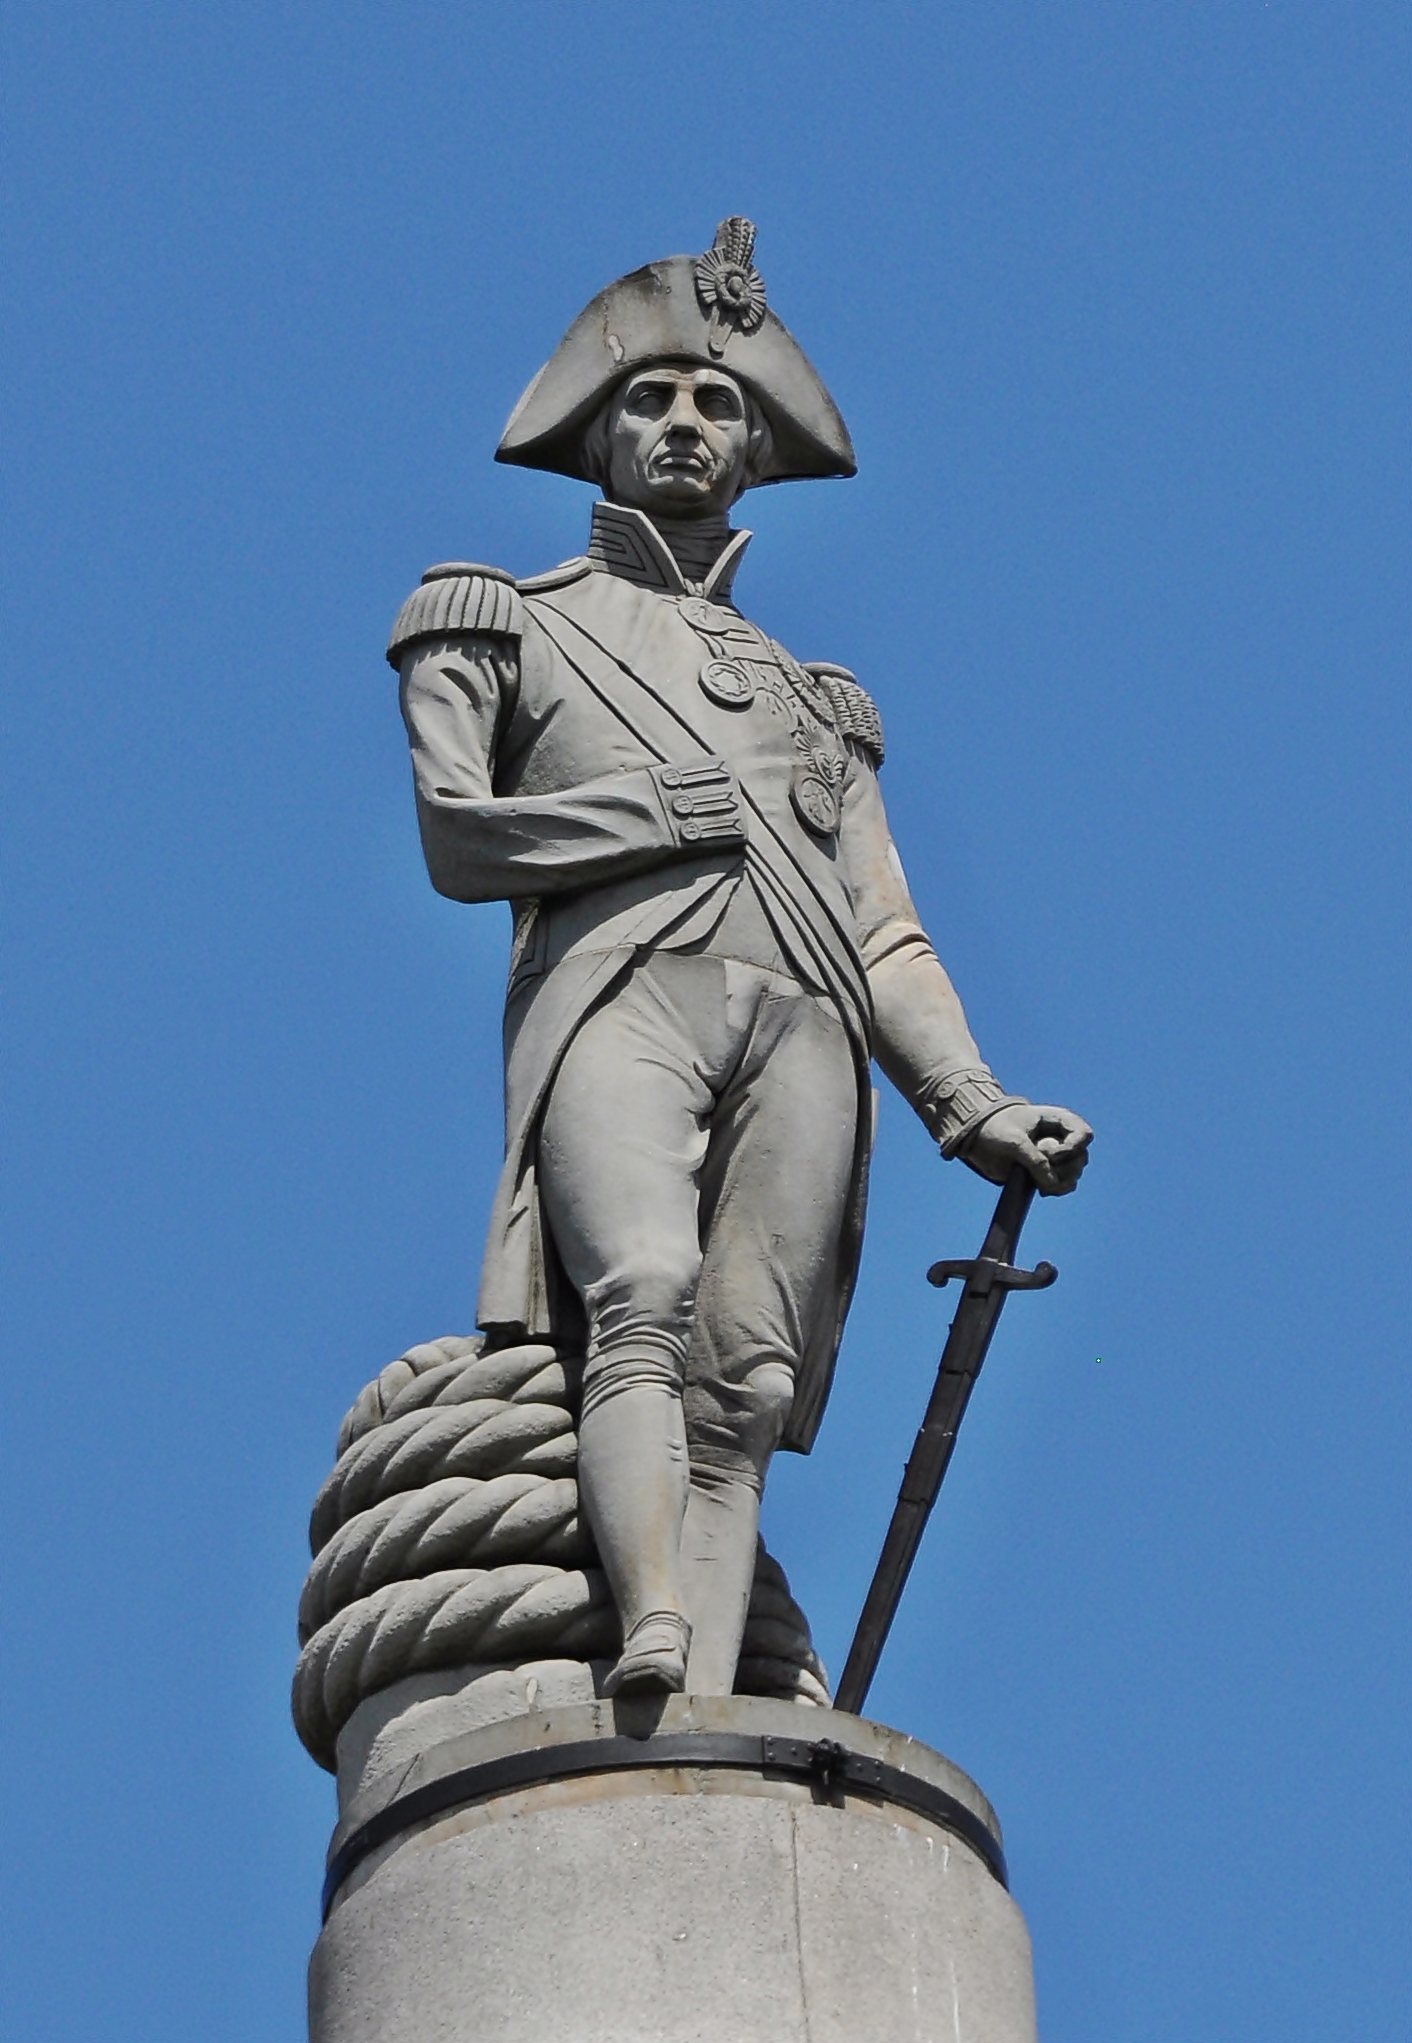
[[985, 1273]]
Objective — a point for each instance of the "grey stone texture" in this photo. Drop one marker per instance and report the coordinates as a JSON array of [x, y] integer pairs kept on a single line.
[[668, 1906], [448, 1545], [713, 942]]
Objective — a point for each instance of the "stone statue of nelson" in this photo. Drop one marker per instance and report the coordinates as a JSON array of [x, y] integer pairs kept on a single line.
[[713, 940]]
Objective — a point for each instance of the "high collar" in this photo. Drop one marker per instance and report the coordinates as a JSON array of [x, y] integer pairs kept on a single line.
[[627, 543]]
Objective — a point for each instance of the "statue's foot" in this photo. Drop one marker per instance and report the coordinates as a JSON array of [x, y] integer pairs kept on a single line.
[[653, 1657]]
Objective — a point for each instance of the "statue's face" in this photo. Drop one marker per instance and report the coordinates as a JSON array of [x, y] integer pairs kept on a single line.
[[678, 441]]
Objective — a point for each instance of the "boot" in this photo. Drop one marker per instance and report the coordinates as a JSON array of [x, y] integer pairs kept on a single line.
[[653, 1657]]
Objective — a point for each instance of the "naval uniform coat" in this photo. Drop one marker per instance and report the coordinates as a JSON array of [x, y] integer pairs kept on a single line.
[[576, 740]]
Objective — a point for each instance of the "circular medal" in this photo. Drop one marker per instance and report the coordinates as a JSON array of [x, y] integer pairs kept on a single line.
[[701, 615], [816, 803], [729, 683]]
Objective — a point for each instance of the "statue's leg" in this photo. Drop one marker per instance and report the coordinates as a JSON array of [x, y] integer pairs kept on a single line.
[[719, 1537], [620, 1149], [774, 1189]]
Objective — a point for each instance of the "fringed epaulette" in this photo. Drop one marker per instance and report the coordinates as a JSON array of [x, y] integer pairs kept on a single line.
[[460, 595], [855, 712]]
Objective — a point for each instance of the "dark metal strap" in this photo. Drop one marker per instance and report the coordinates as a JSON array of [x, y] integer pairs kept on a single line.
[[823, 1762]]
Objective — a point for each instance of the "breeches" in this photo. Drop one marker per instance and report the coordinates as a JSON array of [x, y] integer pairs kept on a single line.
[[694, 1162]]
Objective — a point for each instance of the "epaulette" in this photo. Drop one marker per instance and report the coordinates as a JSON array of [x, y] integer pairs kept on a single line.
[[459, 595], [855, 712], [556, 577]]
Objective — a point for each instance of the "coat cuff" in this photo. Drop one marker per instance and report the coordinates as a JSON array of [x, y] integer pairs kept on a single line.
[[962, 1102]]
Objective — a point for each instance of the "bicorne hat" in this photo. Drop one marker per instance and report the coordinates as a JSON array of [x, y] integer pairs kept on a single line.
[[707, 309]]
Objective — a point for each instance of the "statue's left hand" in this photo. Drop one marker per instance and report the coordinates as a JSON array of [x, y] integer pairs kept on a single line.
[[1050, 1142]]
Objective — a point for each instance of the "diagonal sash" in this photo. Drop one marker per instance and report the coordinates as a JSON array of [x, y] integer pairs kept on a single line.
[[812, 925]]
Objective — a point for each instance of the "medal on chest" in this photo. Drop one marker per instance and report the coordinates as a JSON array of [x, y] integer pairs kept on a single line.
[[729, 683], [727, 677], [744, 665], [816, 784]]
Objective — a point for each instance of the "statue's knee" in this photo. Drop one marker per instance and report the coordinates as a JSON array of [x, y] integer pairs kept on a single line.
[[766, 1395], [736, 1416], [773, 1385], [654, 1291]]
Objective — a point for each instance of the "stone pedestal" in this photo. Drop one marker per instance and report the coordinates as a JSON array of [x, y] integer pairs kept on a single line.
[[689, 1871]]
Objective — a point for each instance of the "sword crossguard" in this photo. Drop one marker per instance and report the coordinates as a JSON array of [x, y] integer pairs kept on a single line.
[[983, 1274]]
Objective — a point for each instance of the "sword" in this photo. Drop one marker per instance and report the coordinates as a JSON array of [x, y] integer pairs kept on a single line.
[[985, 1280]]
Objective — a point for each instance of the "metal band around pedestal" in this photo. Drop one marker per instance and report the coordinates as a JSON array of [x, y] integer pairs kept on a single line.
[[823, 1763]]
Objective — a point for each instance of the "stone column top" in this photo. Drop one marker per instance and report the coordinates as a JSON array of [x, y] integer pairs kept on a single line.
[[762, 1745]]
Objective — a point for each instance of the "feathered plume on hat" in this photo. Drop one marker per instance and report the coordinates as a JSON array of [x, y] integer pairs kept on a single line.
[[707, 309], [731, 289]]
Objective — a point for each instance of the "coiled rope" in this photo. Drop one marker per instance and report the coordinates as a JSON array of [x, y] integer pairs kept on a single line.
[[448, 1535]]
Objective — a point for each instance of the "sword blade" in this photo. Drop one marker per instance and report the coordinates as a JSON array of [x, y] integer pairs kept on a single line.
[[961, 1360]]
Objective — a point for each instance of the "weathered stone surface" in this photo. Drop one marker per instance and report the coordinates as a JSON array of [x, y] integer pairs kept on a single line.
[[671, 1906], [713, 945], [391, 1731], [487, 1571]]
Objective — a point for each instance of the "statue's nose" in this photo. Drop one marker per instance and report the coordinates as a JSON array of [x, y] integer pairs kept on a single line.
[[683, 416]]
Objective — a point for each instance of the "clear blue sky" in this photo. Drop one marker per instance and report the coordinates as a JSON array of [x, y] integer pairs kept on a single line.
[[1114, 298]]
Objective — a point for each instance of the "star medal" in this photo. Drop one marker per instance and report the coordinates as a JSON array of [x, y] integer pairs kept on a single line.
[[728, 682], [816, 802], [816, 784], [725, 679], [702, 615]]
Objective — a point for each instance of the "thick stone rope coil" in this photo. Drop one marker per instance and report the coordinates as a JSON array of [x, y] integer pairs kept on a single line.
[[447, 1535]]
